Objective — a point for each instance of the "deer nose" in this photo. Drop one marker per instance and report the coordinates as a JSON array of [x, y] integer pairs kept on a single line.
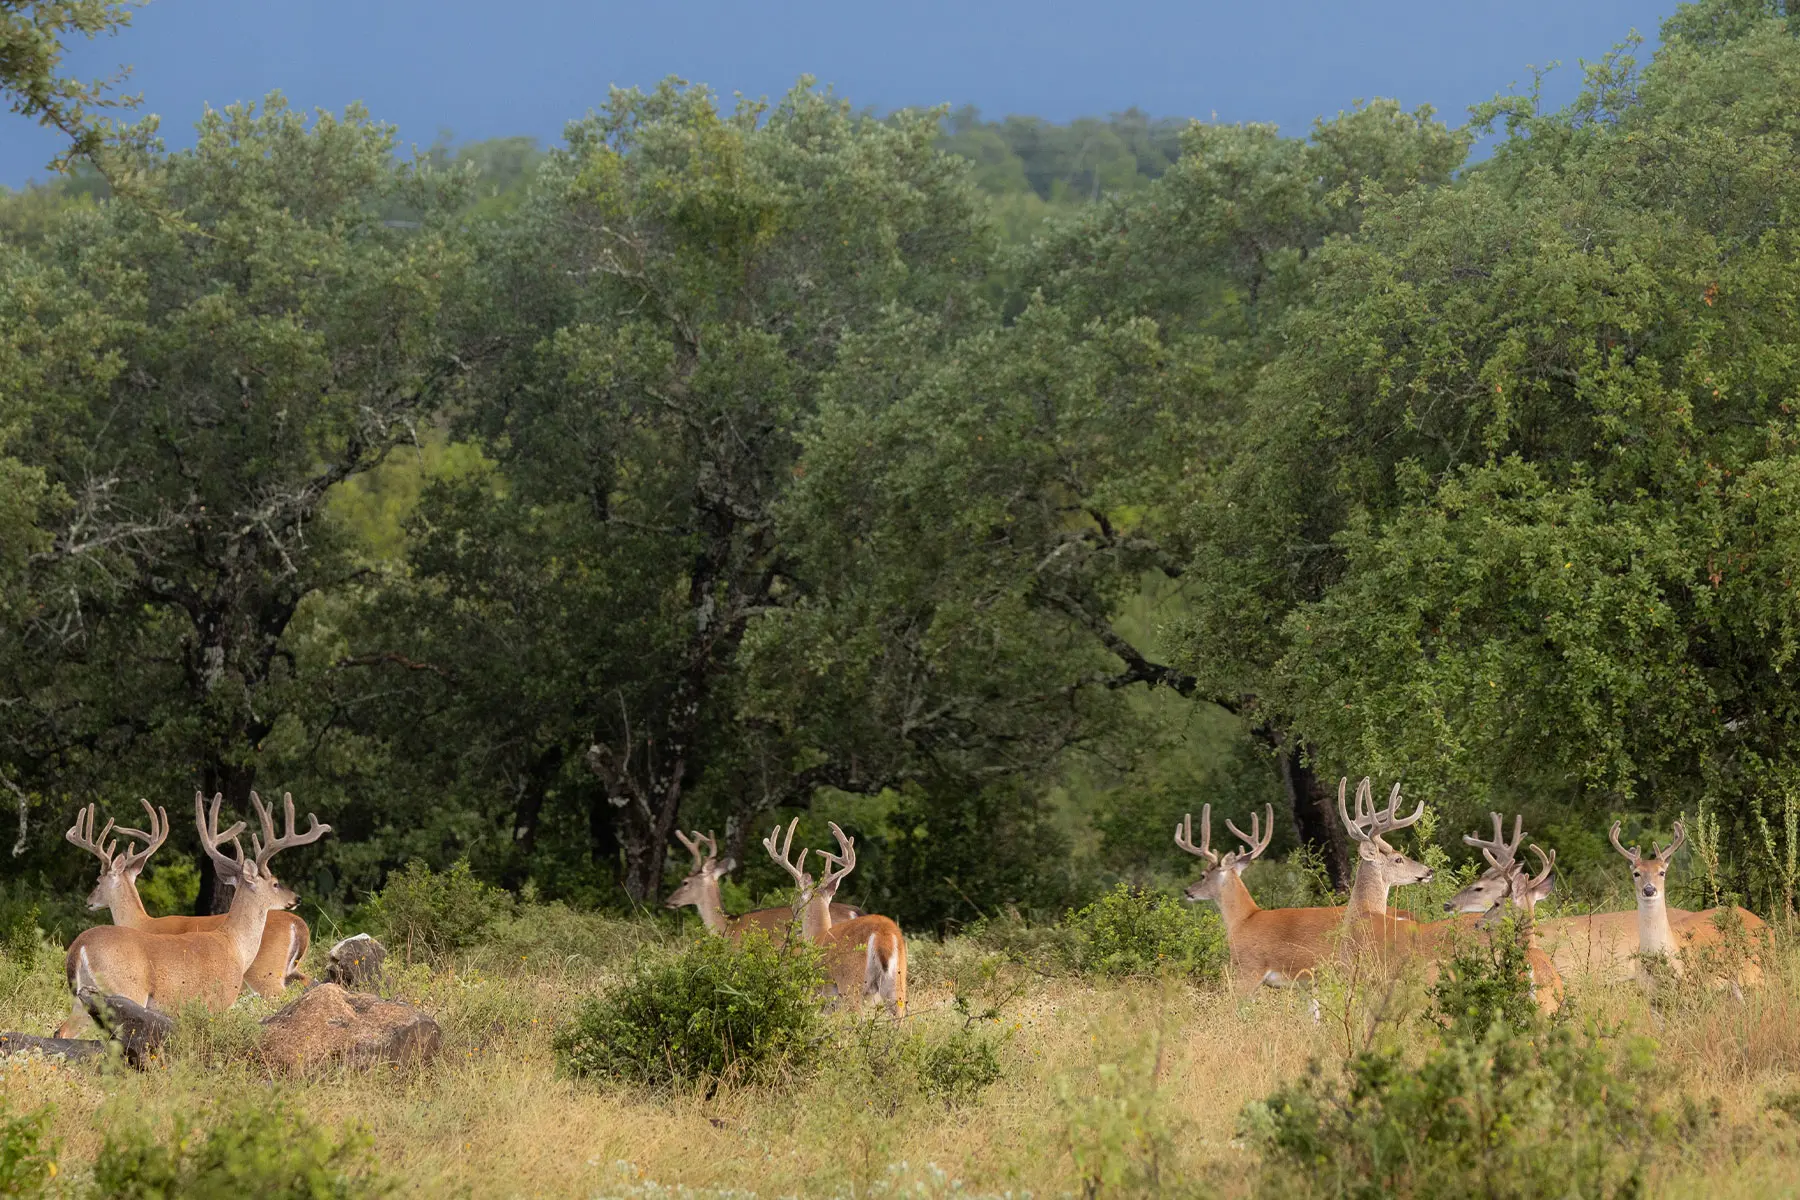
[[1650, 890]]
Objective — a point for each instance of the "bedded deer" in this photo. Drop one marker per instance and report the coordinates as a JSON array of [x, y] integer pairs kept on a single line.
[[1367, 928], [701, 889], [863, 956], [1659, 938], [166, 970], [285, 936]]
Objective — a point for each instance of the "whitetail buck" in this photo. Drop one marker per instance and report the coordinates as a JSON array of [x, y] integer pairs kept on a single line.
[[1505, 886], [1659, 938], [863, 956], [701, 889], [1275, 946], [166, 970], [1381, 868], [285, 937]]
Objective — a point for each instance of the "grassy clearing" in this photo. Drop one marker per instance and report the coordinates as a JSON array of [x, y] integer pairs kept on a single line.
[[1122, 1087]]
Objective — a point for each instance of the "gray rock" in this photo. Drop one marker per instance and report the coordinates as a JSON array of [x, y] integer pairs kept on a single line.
[[356, 962]]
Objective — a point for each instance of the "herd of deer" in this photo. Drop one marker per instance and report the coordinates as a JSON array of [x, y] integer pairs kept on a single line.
[[1285, 946], [164, 962]]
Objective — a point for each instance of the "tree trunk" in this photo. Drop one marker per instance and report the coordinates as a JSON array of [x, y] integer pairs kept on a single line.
[[234, 783], [1315, 818]]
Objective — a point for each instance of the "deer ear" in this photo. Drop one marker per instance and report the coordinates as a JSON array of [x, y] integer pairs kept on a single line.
[[727, 867], [1368, 850]]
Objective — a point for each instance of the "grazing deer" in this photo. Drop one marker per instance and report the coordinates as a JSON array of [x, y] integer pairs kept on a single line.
[[701, 889], [862, 956], [1659, 938], [166, 970], [285, 937]]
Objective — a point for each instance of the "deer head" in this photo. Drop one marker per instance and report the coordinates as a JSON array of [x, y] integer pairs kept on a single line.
[[118, 872], [1369, 828], [1649, 871], [255, 883], [1493, 885], [702, 882], [1221, 869]]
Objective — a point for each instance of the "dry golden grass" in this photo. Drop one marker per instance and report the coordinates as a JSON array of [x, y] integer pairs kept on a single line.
[[1134, 1088]]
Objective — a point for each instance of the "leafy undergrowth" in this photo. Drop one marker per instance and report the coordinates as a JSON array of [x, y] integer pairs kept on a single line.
[[1012, 1075]]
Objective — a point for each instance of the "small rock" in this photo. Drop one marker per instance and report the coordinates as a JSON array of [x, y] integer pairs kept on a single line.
[[329, 1024], [356, 962]]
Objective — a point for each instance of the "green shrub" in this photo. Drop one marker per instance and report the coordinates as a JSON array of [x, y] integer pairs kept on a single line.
[[1485, 979], [27, 1163], [270, 1153], [715, 1011], [1046, 949], [423, 912], [1132, 931], [1548, 1112]]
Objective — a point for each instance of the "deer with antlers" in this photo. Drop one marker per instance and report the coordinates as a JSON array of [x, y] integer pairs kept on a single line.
[[1660, 938], [1381, 868], [865, 956], [701, 889], [285, 936], [1508, 885], [1274, 946], [166, 970]]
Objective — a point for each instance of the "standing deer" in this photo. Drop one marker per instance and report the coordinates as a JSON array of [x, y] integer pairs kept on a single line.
[[1507, 884], [285, 937], [165, 970], [701, 889], [862, 956], [1657, 935]]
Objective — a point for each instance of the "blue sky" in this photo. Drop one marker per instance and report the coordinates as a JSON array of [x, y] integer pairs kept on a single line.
[[486, 70]]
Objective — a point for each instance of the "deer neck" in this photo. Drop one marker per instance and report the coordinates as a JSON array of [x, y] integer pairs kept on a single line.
[[815, 918], [1368, 893], [128, 907], [1654, 934], [710, 908], [244, 923], [1235, 902]]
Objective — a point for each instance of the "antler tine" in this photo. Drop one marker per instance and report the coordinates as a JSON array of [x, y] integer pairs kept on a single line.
[[1184, 836], [81, 836], [1680, 840], [1353, 828], [784, 853], [1499, 853], [210, 837], [1261, 831], [1631, 854], [313, 832], [1384, 820], [153, 839], [712, 845], [693, 847], [1549, 861], [837, 865]]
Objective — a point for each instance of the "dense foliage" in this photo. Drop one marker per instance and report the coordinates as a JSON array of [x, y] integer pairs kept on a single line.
[[718, 463]]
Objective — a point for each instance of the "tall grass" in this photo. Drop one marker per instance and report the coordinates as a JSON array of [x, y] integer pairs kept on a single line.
[[1102, 1087]]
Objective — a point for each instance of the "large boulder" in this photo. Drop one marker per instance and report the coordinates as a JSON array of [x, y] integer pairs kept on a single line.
[[356, 962], [329, 1025]]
